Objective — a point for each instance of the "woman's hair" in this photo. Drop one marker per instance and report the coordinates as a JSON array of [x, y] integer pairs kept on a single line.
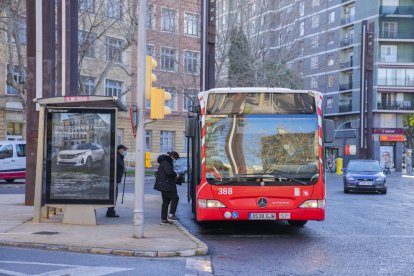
[[173, 154]]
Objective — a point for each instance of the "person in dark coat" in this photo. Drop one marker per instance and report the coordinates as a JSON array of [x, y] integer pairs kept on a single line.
[[165, 182], [120, 170]]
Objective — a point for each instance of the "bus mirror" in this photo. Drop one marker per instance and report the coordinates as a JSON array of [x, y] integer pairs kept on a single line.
[[190, 125], [328, 131]]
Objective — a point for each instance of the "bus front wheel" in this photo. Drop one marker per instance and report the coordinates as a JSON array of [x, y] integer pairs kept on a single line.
[[299, 223]]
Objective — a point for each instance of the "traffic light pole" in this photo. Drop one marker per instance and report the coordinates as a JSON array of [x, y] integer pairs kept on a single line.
[[138, 226]]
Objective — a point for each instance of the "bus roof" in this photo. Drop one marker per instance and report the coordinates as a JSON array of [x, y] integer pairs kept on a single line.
[[257, 90]]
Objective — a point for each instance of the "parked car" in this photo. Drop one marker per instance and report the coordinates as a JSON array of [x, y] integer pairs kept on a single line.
[[180, 166], [12, 160], [81, 155], [364, 175]]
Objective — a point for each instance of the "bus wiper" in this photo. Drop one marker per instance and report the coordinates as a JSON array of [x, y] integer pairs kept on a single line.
[[281, 176], [275, 175]]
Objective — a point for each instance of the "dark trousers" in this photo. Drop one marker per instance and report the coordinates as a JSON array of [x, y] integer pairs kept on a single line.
[[112, 209], [167, 198]]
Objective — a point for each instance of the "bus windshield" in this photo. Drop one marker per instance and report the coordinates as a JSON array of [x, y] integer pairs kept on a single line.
[[266, 146]]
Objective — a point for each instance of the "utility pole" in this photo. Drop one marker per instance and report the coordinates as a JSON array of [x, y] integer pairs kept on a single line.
[[208, 41], [138, 227]]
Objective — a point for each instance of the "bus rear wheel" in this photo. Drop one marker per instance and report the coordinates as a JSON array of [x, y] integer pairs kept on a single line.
[[299, 223]]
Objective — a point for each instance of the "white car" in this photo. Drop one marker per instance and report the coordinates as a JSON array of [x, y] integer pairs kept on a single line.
[[12, 160], [81, 155]]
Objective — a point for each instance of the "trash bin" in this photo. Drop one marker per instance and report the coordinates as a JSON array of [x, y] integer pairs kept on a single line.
[[339, 164]]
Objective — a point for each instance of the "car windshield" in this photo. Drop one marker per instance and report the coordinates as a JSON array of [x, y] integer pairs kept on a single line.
[[364, 166], [261, 146], [86, 146]]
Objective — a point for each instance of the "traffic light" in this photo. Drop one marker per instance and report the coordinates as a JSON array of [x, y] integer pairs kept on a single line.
[[158, 108], [150, 77]]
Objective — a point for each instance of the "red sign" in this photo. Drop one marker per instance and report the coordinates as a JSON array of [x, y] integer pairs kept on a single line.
[[388, 131], [392, 138], [76, 98]]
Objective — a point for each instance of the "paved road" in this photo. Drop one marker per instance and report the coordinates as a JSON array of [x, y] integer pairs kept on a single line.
[[364, 234]]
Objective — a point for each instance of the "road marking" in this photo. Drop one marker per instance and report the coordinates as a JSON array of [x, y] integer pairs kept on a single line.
[[198, 264], [69, 269]]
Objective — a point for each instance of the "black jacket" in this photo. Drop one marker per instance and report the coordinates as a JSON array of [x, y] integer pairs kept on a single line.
[[120, 167], [166, 176]]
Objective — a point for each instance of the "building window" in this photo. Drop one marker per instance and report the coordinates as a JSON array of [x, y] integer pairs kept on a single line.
[[331, 60], [87, 85], [191, 62], [185, 143], [14, 128], [113, 88], [188, 98], [150, 20], [87, 44], [315, 41], [329, 102], [114, 9], [315, 21], [169, 20], [390, 30], [300, 68], [173, 102], [301, 48], [190, 24], [114, 49], [331, 38], [119, 136], [151, 51], [330, 81], [314, 82], [168, 58], [302, 29], [388, 53], [301, 8], [148, 140], [10, 90], [87, 6], [315, 3], [331, 17], [314, 62], [166, 141]]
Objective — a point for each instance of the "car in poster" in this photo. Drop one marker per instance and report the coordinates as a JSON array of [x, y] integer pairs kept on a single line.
[[12, 160], [364, 175], [81, 155]]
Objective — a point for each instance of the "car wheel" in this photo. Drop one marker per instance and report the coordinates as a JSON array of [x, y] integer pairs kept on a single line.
[[384, 191], [346, 191], [89, 163], [11, 180], [298, 223]]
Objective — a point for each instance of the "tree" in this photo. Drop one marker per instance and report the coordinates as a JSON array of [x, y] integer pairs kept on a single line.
[[13, 26], [408, 122], [240, 71]]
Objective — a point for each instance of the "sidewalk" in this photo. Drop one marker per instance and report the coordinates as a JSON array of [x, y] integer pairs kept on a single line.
[[110, 236]]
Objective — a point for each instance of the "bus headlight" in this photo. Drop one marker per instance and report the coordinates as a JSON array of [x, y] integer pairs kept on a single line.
[[210, 203], [313, 203]]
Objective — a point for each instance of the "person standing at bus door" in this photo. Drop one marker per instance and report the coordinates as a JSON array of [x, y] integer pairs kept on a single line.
[[165, 182], [120, 170]]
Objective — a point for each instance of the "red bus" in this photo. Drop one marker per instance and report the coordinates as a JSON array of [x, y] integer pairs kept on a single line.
[[257, 154]]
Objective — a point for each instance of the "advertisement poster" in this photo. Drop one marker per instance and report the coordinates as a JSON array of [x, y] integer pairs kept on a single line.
[[80, 156], [387, 156]]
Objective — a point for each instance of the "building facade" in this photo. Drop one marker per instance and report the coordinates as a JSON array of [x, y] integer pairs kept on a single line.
[[326, 46], [107, 63]]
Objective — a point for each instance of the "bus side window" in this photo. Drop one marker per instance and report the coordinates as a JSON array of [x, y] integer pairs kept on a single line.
[[21, 150]]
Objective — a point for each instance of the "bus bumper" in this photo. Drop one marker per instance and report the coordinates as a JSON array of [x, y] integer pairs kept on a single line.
[[211, 214]]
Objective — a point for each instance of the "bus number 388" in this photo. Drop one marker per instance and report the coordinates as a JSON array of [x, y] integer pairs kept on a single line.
[[225, 191]]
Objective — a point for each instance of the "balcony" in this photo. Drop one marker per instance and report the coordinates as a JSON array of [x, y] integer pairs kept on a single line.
[[345, 107], [396, 35], [345, 86], [347, 20], [396, 82], [346, 65], [398, 11], [395, 105], [347, 41]]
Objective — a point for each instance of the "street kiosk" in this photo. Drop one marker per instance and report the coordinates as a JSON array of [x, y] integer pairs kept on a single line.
[[76, 156]]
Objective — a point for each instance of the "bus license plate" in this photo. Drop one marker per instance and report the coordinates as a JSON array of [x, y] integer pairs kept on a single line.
[[365, 183], [262, 216]]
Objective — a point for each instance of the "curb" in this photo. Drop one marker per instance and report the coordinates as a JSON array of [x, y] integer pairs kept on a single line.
[[201, 249]]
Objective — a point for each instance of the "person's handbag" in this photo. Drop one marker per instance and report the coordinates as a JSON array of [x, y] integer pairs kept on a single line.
[[180, 180]]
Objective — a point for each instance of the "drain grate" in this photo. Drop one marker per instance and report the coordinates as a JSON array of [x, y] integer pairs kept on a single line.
[[46, 233]]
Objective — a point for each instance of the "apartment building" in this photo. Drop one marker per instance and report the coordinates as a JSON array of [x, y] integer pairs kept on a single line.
[[327, 58], [107, 64]]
